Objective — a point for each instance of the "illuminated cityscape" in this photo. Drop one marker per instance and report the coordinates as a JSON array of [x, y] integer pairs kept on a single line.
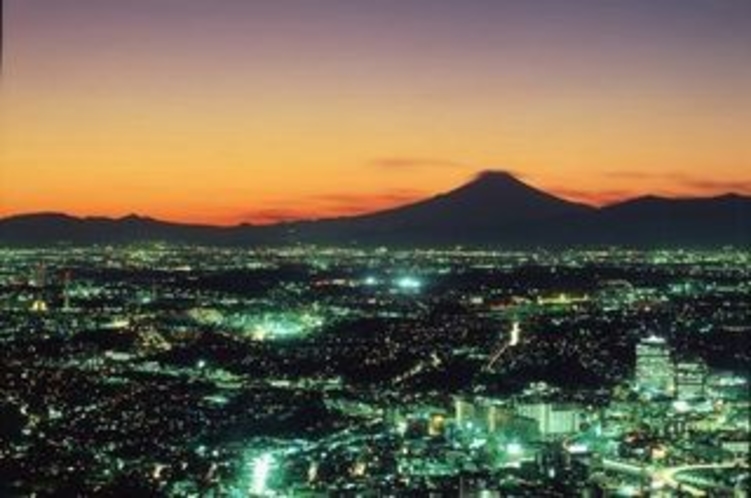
[[166, 370], [375, 248]]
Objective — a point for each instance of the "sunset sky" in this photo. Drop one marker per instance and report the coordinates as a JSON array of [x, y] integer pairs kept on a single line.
[[224, 111]]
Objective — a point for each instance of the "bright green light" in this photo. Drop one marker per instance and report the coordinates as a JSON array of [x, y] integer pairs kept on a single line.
[[409, 283], [282, 325]]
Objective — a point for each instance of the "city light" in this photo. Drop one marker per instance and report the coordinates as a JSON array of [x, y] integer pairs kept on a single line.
[[277, 326], [515, 334], [681, 406], [628, 490], [269, 329], [514, 449], [352, 391], [261, 468], [377, 249], [578, 448], [408, 283]]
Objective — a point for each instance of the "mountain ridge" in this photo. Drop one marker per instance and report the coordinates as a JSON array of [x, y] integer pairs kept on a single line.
[[494, 209]]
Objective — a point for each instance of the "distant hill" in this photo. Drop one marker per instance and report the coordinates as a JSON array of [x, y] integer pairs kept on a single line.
[[485, 210], [661, 222], [53, 228], [495, 209]]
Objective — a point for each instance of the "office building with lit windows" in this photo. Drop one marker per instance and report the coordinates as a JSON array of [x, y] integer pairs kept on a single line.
[[654, 368]]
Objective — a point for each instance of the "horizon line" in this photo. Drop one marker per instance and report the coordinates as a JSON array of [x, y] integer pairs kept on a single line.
[[582, 198]]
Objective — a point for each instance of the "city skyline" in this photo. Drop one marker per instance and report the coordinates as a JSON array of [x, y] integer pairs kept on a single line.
[[235, 112]]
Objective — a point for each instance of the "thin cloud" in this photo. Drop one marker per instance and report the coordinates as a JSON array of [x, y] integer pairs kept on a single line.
[[716, 186], [682, 182], [402, 163], [354, 200], [275, 215], [332, 206], [646, 175]]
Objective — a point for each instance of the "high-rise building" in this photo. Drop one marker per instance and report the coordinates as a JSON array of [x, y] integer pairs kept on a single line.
[[552, 419], [516, 332], [654, 369], [465, 411], [483, 414], [690, 379]]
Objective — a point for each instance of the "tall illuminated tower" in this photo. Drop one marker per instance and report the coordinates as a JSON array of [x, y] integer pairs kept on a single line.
[[654, 369], [516, 332]]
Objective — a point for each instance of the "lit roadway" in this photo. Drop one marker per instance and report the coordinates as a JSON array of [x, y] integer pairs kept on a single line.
[[668, 475], [513, 341]]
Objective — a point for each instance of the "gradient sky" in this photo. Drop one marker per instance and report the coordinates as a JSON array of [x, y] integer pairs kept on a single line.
[[257, 110]]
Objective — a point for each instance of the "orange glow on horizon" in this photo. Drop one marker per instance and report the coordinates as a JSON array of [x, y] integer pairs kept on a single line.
[[245, 113]]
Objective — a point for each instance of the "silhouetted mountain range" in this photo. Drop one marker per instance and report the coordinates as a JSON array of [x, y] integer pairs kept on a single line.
[[495, 209]]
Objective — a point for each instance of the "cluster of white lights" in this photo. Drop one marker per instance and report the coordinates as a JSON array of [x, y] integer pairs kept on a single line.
[[514, 449], [261, 469]]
